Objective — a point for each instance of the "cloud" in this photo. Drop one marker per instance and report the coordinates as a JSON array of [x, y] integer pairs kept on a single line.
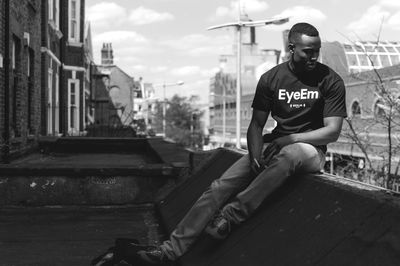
[[248, 6], [394, 21], [120, 36], [298, 14], [201, 45], [123, 42], [185, 71], [207, 73], [102, 13], [390, 3], [158, 69], [303, 13], [370, 21], [105, 15], [142, 16]]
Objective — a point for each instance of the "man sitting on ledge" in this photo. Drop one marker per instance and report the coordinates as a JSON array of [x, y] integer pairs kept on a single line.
[[307, 100]]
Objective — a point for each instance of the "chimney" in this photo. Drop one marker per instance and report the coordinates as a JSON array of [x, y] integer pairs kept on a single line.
[[107, 57]]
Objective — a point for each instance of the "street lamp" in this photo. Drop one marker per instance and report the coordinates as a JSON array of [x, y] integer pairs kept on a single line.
[[164, 85], [239, 24]]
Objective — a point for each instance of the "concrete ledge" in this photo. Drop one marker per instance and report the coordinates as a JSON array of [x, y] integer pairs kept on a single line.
[[92, 171], [79, 190], [72, 170]]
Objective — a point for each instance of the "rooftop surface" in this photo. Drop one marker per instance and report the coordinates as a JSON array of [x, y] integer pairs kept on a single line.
[[70, 235], [311, 220]]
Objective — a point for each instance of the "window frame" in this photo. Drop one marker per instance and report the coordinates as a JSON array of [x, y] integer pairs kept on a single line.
[[76, 37]]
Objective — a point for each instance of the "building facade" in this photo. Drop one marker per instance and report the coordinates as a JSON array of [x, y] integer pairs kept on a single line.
[[64, 72], [113, 97], [4, 40], [347, 58], [43, 62], [222, 98], [20, 85], [74, 73], [51, 67]]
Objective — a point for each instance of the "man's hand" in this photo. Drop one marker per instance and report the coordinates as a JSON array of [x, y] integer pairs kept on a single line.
[[256, 167], [275, 146]]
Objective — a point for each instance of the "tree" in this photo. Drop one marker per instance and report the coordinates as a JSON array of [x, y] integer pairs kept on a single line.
[[182, 121], [385, 118]]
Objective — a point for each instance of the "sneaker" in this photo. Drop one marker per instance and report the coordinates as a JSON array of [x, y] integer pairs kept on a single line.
[[153, 255], [219, 227]]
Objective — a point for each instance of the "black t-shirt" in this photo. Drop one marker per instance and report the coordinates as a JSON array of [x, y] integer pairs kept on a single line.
[[299, 102]]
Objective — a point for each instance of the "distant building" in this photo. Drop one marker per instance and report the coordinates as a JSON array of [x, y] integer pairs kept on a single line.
[[353, 58], [346, 59], [114, 92], [255, 62], [89, 67]]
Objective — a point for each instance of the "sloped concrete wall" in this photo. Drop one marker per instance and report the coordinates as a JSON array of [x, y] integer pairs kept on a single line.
[[311, 220]]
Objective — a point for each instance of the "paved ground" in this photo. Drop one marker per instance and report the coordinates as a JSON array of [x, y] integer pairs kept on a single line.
[[55, 236]]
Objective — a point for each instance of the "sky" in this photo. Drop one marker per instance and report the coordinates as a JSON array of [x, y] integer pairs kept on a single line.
[[166, 41]]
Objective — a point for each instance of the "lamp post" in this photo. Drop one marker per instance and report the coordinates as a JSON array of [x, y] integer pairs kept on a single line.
[[239, 25], [165, 85]]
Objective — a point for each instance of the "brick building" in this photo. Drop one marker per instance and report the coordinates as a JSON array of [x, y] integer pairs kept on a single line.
[[114, 94], [45, 63], [51, 67], [73, 67], [2, 72], [20, 85], [63, 68]]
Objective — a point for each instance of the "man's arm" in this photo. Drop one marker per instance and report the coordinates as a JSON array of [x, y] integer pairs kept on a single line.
[[254, 136], [328, 133]]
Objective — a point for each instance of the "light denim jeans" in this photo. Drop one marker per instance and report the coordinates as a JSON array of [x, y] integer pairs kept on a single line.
[[244, 192]]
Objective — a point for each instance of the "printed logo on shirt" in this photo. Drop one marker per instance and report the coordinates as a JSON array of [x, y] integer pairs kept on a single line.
[[303, 94]]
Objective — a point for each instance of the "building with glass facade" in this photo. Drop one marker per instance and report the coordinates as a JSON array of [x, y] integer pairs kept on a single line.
[[347, 58]]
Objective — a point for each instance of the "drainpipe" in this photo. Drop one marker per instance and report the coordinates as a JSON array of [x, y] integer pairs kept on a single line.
[[6, 135]]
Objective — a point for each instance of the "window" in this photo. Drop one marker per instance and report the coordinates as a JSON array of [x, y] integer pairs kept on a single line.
[[359, 48], [352, 59], [381, 49], [74, 18], [30, 107], [390, 49], [73, 106], [56, 107], [16, 66], [374, 59], [379, 111], [355, 109], [369, 48], [50, 99], [51, 10], [395, 59], [364, 61], [348, 48], [57, 13], [385, 60], [13, 54]]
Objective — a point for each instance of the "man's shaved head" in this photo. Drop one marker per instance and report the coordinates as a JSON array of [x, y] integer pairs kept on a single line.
[[301, 28]]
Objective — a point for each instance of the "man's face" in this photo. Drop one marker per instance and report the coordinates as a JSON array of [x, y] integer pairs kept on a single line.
[[305, 52]]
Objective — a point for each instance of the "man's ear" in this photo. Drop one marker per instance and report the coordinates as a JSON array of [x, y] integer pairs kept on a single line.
[[291, 47]]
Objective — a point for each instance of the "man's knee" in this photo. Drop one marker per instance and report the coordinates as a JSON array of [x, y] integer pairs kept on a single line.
[[298, 154]]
